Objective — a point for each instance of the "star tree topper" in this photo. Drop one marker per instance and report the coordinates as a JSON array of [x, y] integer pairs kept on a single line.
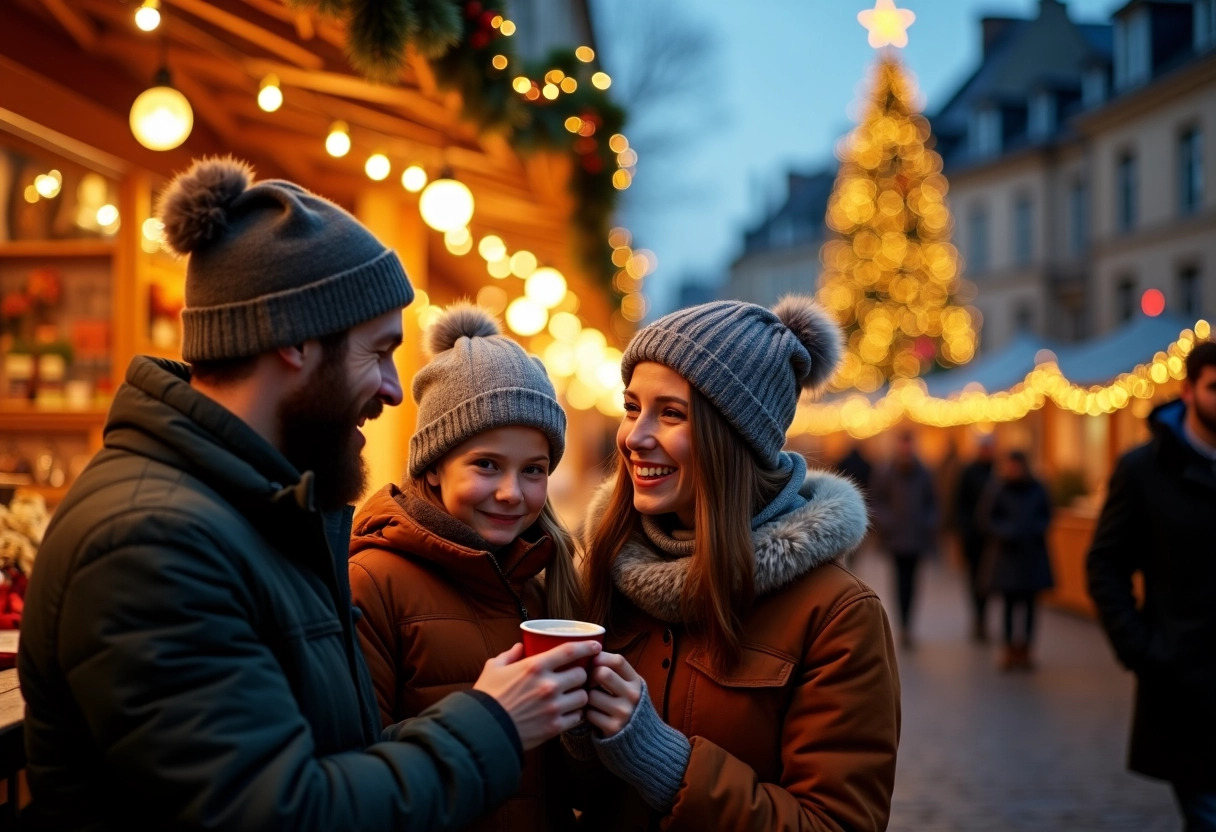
[[886, 24]]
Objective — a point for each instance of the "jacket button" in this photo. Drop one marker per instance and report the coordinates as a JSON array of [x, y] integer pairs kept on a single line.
[[356, 613], [667, 636], [666, 663]]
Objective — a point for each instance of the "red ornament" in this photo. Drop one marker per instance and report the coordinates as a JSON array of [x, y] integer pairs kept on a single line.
[[487, 19], [472, 9], [584, 145], [479, 40], [592, 163]]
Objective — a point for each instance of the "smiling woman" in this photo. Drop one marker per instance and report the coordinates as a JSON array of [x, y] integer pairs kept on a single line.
[[749, 680], [446, 567]]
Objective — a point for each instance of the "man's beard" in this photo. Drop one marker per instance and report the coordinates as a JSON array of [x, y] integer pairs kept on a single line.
[[317, 430]]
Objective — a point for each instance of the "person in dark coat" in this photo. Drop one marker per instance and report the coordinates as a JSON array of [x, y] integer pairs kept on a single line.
[[856, 467], [1014, 514], [967, 493], [188, 656], [904, 501], [1160, 520]]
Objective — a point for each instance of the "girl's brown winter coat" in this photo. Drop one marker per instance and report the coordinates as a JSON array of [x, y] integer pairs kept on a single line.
[[434, 611]]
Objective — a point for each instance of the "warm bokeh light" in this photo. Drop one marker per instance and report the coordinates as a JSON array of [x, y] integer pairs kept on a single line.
[[458, 241], [337, 143], [499, 268], [413, 179], [491, 247], [493, 298], [499, 61], [550, 91], [446, 204], [521, 84], [568, 85], [526, 317], [621, 180], [546, 286], [377, 167], [523, 263], [585, 54], [507, 28], [270, 95], [147, 16], [601, 81], [161, 117]]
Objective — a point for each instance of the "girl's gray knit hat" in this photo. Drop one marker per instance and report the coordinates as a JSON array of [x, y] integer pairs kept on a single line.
[[750, 362], [477, 380], [271, 264]]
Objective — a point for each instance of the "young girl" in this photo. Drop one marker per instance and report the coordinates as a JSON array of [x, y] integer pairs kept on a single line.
[[754, 684], [445, 567]]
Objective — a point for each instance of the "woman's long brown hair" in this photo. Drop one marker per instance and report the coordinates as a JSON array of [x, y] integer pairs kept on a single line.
[[720, 586], [563, 590]]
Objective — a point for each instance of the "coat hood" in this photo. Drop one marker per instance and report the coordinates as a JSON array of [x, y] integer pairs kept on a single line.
[[412, 528], [829, 525]]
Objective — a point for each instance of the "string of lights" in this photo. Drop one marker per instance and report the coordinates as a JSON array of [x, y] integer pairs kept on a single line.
[[908, 399]]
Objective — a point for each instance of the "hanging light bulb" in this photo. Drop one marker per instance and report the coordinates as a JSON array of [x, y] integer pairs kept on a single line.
[[377, 167], [147, 16], [337, 143], [270, 96], [413, 179], [446, 203], [161, 118]]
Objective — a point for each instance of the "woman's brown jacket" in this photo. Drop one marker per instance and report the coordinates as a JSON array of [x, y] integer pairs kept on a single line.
[[801, 733], [436, 605]]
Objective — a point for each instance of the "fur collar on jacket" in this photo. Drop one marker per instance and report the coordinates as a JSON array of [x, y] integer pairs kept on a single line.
[[831, 524]]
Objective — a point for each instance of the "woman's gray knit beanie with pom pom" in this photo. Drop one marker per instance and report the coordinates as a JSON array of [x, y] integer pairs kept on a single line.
[[477, 380], [750, 362], [271, 264]]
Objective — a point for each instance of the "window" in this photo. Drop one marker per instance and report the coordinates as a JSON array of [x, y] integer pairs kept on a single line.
[[977, 239], [1190, 300], [1023, 230], [1133, 54], [1042, 114], [1093, 87], [1125, 192], [1205, 24], [1125, 299], [1190, 170], [1078, 218], [984, 132]]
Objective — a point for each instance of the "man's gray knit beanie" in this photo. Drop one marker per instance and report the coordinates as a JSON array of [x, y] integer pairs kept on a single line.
[[750, 362], [271, 264], [477, 380]]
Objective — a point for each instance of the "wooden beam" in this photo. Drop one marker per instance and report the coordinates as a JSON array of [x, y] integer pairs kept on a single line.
[[348, 86], [252, 33], [80, 29]]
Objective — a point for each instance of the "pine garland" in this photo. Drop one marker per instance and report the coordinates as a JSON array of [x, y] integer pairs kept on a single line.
[[460, 39]]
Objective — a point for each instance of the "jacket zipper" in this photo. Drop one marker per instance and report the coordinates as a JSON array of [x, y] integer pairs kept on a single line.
[[519, 602]]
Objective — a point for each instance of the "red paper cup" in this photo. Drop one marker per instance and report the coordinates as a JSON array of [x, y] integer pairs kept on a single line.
[[546, 633]]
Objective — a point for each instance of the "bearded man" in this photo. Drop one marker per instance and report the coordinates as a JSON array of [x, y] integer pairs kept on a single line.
[[189, 657], [1160, 520]]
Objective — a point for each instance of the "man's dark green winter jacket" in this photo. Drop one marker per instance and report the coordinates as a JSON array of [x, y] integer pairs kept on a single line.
[[188, 654]]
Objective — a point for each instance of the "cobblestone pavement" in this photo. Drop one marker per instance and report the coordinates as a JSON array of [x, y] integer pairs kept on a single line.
[[983, 751]]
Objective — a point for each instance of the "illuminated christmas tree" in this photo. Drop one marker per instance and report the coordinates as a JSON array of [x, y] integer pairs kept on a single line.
[[892, 278]]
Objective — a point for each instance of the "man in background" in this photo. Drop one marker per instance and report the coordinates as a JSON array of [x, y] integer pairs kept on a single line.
[[1160, 520]]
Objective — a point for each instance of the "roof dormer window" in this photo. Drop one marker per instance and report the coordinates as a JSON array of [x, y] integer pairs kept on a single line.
[[1093, 87], [1042, 114], [1133, 51], [984, 132]]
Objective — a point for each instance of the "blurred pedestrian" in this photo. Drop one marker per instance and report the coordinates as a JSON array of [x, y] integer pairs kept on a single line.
[[1014, 514], [1160, 520], [904, 502], [446, 567], [966, 499], [856, 467], [188, 652]]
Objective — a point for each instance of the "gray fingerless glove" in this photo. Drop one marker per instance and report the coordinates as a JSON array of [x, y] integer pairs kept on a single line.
[[648, 754]]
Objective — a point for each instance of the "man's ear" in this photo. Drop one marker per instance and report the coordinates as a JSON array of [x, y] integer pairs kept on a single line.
[[293, 356]]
